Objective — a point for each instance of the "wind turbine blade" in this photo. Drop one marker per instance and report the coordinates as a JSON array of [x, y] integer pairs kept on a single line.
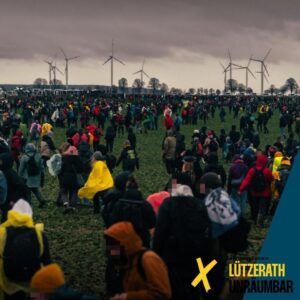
[[107, 60], [59, 70], [266, 78], [63, 52], [257, 60], [136, 72], [48, 62], [72, 58], [229, 55], [267, 54], [249, 61], [119, 61], [146, 74], [265, 67], [251, 73], [222, 66], [238, 66]]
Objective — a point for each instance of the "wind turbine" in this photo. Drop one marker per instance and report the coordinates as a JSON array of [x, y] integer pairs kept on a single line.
[[111, 58], [247, 70], [50, 63], [67, 59], [225, 70], [263, 69], [54, 69], [142, 72], [230, 65]]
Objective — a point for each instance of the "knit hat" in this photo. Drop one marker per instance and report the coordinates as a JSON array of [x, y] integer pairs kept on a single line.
[[48, 279], [278, 154]]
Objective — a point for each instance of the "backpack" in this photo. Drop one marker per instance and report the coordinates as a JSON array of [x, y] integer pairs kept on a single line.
[[283, 177], [22, 253], [16, 143], [199, 149], [213, 146], [258, 181], [32, 167], [131, 160]]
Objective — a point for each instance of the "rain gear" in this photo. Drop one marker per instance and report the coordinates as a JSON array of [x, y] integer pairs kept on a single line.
[[157, 285], [99, 180], [19, 216]]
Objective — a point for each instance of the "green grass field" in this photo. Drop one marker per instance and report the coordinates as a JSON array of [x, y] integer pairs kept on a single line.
[[76, 240]]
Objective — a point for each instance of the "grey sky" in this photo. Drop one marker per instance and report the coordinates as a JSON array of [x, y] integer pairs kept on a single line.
[[189, 36]]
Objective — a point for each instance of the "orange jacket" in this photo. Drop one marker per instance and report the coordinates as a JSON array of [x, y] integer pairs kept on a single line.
[[157, 285]]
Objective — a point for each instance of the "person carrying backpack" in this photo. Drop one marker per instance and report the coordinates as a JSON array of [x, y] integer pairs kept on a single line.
[[16, 146], [23, 250], [32, 171], [182, 235], [144, 274], [280, 179], [258, 180], [129, 158]]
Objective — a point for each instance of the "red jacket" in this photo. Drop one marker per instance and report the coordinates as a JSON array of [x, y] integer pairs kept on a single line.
[[261, 163]]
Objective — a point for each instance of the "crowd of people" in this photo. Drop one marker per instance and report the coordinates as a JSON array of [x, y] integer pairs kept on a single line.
[[206, 209]]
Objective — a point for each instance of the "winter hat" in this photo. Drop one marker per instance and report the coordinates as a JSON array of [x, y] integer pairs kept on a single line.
[[48, 279], [188, 156], [196, 131]]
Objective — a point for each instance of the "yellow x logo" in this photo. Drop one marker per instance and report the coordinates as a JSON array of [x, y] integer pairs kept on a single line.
[[202, 276]]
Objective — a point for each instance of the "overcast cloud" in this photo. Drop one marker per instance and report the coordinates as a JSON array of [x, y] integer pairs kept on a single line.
[[184, 31]]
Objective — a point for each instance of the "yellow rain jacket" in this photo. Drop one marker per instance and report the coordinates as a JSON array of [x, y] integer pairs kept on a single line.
[[16, 219], [46, 127], [277, 161], [99, 180]]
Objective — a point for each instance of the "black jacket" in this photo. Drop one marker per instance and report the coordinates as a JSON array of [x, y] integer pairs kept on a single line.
[[71, 165]]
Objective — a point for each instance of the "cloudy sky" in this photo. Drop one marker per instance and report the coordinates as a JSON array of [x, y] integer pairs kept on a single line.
[[183, 41]]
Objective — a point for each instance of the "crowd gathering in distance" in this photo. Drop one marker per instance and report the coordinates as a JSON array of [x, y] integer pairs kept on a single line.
[[220, 185]]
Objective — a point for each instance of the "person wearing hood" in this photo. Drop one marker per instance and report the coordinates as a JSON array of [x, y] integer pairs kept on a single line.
[[50, 283], [258, 180], [98, 183], [85, 154], [19, 260], [278, 156], [14, 184], [169, 152], [182, 235], [47, 147], [32, 171], [236, 175], [145, 274], [280, 179], [71, 167], [214, 166]]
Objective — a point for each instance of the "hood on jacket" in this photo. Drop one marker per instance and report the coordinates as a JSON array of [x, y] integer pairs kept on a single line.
[[285, 161], [121, 180], [19, 133], [124, 233], [6, 161], [30, 149], [22, 207], [261, 161]]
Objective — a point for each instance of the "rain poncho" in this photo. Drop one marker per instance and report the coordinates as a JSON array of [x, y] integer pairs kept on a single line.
[[99, 180]]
